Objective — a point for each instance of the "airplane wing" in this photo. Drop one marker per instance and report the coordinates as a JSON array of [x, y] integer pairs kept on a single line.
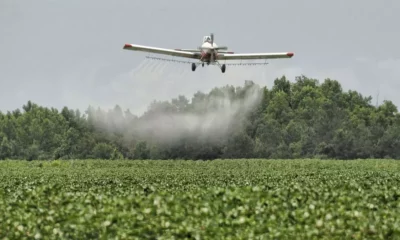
[[165, 51], [241, 56]]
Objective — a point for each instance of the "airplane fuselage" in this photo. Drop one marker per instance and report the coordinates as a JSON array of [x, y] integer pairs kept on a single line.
[[209, 53]]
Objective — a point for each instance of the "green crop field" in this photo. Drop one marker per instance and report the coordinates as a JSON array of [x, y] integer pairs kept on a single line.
[[221, 199]]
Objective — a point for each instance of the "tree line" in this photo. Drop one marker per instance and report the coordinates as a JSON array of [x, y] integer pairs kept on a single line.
[[300, 119]]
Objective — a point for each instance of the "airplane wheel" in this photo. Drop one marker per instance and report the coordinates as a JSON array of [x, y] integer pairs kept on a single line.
[[223, 68], [202, 64], [193, 67]]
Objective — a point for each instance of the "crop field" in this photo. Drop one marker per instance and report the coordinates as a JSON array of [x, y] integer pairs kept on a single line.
[[221, 199]]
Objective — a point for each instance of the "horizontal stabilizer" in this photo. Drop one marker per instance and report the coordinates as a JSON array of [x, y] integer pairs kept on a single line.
[[188, 50], [221, 48]]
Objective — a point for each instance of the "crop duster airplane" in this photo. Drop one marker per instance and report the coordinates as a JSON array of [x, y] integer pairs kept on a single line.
[[209, 52]]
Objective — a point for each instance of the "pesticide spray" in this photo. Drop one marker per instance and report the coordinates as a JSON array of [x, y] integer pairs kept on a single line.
[[206, 115]]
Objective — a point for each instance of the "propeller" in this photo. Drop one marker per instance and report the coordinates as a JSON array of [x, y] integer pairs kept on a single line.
[[216, 48], [212, 45]]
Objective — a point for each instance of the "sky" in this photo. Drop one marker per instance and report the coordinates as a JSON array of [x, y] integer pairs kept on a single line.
[[69, 53]]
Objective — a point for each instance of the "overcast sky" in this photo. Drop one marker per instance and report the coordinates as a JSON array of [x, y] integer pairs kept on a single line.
[[59, 53]]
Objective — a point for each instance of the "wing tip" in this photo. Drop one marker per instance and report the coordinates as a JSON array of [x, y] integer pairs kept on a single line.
[[290, 54], [127, 46]]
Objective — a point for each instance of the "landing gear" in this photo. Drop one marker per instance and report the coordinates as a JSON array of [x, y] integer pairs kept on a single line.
[[222, 67]]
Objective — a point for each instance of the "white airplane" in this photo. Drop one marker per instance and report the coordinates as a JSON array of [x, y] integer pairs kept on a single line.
[[209, 52]]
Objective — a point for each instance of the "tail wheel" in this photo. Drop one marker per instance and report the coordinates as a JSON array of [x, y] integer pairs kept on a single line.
[[193, 67], [223, 68]]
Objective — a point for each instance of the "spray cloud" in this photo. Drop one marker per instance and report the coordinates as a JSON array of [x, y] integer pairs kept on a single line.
[[208, 116]]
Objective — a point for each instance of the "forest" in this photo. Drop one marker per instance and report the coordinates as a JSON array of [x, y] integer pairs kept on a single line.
[[304, 118]]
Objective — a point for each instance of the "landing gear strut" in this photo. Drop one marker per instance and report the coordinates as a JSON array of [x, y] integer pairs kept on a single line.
[[223, 67]]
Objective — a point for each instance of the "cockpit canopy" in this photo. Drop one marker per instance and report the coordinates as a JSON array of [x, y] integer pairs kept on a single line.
[[206, 39]]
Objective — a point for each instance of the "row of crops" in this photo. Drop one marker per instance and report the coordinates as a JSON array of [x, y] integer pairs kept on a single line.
[[221, 199]]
